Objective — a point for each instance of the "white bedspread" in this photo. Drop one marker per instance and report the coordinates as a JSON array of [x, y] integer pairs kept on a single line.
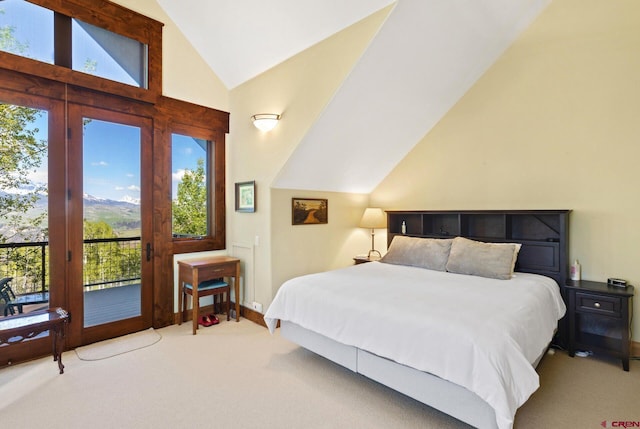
[[479, 333]]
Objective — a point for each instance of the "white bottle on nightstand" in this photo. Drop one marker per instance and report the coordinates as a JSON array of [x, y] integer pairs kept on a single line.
[[575, 270], [403, 228]]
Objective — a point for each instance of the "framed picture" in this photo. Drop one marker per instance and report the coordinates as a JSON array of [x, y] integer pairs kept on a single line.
[[246, 197], [309, 211]]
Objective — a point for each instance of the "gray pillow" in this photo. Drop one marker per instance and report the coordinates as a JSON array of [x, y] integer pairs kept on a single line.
[[430, 253], [493, 260]]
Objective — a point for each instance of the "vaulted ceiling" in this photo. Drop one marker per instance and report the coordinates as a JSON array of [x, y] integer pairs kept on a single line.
[[427, 54]]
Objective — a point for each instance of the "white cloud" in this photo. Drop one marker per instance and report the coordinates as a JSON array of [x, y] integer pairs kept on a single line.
[[39, 176], [133, 188], [119, 188], [100, 164], [178, 175]]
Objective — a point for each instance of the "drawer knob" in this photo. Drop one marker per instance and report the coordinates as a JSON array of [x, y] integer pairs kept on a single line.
[[596, 305]]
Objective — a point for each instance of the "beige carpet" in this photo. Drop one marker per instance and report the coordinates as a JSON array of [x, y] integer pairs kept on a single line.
[[236, 375], [118, 346]]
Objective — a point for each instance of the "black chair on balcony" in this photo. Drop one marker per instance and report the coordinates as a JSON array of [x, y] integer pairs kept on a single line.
[[7, 295], [13, 301]]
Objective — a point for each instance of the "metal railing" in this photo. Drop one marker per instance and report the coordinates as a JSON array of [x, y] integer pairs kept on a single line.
[[27, 263], [107, 262]]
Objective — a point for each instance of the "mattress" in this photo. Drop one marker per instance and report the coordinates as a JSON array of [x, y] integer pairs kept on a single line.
[[482, 334]]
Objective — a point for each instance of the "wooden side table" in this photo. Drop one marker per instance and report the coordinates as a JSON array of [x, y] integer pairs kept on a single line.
[[195, 271], [15, 329], [600, 319]]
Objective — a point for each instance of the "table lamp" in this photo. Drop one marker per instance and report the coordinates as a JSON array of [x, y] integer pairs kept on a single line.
[[373, 218]]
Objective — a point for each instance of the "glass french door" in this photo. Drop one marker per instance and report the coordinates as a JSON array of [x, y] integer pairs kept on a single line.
[[110, 227], [24, 190], [32, 264]]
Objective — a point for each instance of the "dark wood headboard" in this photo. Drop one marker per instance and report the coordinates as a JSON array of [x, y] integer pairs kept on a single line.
[[544, 234]]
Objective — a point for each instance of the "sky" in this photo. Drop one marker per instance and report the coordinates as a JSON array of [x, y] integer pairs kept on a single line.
[[111, 159], [111, 151]]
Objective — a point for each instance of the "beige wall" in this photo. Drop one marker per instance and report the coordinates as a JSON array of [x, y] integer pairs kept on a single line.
[[304, 249], [554, 124], [298, 89]]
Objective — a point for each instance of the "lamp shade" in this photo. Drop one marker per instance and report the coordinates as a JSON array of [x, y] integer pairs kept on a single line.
[[373, 218], [265, 121]]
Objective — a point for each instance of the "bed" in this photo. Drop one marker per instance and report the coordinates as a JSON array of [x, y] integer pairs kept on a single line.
[[451, 322]]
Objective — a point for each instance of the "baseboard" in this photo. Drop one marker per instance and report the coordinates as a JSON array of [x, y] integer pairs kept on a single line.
[[248, 313], [252, 315], [635, 349]]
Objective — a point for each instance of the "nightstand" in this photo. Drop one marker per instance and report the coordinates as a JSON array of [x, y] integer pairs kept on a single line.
[[600, 319], [362, 260]]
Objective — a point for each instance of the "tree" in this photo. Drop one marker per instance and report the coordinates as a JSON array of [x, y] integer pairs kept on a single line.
[[108, 262], [20, 152], [8, 42], [189, 209]]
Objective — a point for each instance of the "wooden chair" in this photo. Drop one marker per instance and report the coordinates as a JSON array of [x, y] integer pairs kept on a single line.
[[207, 288]]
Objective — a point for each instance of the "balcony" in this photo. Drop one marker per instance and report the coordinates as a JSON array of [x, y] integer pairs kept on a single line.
[[111, 277]]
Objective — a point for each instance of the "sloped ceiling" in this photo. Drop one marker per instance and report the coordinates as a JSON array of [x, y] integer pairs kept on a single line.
[[425, 57]]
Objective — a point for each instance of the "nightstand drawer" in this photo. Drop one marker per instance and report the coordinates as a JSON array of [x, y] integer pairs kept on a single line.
[[605, 305]]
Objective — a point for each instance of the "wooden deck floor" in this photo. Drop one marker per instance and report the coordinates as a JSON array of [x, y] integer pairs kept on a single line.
[[105, 305], [109, 305]]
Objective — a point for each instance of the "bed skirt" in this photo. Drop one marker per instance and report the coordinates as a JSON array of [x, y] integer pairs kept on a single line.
[[440, 394]]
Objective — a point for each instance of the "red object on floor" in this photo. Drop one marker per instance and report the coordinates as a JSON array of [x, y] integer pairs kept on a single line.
[[204, 321]]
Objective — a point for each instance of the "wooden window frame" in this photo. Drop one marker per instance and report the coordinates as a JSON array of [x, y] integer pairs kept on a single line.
[[28, 76], [111, 17], [179, 117]]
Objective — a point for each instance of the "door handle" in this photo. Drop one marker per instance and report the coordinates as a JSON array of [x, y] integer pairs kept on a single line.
[[149, 252]]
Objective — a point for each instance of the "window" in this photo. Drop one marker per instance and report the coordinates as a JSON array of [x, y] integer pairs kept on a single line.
[[24, 235], [37, 63], [196, 137], [110, 49], [189, 186], [109, 55], [26, 30]]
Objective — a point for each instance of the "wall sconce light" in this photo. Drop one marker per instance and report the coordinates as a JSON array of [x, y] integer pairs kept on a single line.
[[265, 121], [373, 218]]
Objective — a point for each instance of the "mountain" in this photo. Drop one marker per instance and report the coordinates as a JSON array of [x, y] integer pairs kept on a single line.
[[122, 216]]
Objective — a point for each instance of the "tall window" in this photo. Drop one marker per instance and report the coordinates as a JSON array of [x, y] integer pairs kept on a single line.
[[196, 137], [189, 186], [24, 231]]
